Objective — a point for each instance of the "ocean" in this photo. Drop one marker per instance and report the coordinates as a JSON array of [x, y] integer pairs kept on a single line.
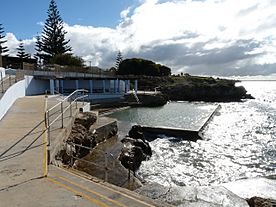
[[239, 142]]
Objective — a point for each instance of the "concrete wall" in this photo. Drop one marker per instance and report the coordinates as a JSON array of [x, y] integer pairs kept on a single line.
[[36, 87], [14, 92], [10, 71], [2, 70]]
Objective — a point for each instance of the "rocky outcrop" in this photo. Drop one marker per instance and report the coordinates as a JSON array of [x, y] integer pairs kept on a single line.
[[80, 135], [135, 150], [86, 133], [201, 92], [147, 99]]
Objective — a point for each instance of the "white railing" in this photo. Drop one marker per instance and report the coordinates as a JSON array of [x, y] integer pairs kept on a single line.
[[58, 110]]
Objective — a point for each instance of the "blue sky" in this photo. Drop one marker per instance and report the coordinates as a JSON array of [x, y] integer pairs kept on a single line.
[[202, 37], [21, 17]]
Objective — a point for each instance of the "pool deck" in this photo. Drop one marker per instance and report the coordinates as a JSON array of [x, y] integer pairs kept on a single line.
[[185, 134]]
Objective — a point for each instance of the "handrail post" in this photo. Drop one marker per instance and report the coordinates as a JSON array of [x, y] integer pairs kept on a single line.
[[106, 168], [2, 83], [48, 124], [10, 79], [70, 108], [83, 98], [61, 105]]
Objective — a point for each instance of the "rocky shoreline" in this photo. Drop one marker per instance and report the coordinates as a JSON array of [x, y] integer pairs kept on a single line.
[[195, 88], [133, 150]]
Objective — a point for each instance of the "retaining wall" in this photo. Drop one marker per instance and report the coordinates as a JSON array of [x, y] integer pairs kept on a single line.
[[14, 92]]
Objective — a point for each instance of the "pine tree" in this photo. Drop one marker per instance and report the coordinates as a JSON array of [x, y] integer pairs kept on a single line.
[[21, 51], [39, 56], [119, 59], [3, 49], [53, 36]]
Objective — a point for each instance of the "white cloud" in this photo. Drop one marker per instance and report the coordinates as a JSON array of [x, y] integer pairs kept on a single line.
[[13, 43], [216, 37]]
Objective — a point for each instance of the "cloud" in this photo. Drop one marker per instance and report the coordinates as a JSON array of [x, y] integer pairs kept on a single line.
[[210, 37], [13, 43]]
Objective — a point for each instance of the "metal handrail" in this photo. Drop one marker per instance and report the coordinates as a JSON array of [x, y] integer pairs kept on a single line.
[[60, 109], [106, 154]]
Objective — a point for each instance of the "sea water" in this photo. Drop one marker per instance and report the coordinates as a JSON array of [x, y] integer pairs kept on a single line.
[[239, 142]]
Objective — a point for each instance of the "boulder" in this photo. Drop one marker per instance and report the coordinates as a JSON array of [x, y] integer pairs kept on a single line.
[[135, 150], [136, 132], [259, 202]]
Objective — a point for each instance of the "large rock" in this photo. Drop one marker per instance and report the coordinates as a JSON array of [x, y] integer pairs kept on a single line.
[[80, 135], [260, 202], [135, 150]]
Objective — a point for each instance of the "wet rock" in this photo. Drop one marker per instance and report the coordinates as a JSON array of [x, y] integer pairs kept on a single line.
[[135, 150], [116, 173], [136, 132], [261, 202]]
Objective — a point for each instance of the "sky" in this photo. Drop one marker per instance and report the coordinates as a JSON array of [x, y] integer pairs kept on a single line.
[[201, 37]]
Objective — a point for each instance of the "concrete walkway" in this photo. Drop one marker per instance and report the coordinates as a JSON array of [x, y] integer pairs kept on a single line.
[[23, 167]]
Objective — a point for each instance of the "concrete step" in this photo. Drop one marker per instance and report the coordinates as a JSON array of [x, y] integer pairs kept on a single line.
[[98, 191]]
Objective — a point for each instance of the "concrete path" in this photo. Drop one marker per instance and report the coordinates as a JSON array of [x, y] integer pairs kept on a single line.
[[23, 167]]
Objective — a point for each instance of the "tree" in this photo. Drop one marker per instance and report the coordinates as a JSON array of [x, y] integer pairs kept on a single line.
[[3, 49], [39, 56], [119, 59], [136, 66], [67, 60], [21, 51], [52, 41]]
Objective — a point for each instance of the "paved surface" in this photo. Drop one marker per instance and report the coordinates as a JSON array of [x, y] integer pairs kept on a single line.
[[23, 166]]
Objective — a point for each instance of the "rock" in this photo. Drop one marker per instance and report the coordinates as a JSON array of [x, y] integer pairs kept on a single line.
[[135, 150], [148, 100], [144, 145], [105, 131], [86, 119], [79, 135], [261, 202], [136, 132], [132, 158]]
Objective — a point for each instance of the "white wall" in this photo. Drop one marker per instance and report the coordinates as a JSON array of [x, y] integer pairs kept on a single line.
[[14, 92], [36, 87], [2, 70]]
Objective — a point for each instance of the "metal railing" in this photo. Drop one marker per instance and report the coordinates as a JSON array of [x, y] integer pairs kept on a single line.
[[6, 82], [58, 110], [135, 96], [106, 165], [64, 74]]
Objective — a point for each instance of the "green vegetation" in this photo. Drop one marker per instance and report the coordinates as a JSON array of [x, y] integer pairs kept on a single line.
[[67, 60], [119, 59], [52, 41], [3, 49], [194, 88], [21, 51], [136, 66]]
